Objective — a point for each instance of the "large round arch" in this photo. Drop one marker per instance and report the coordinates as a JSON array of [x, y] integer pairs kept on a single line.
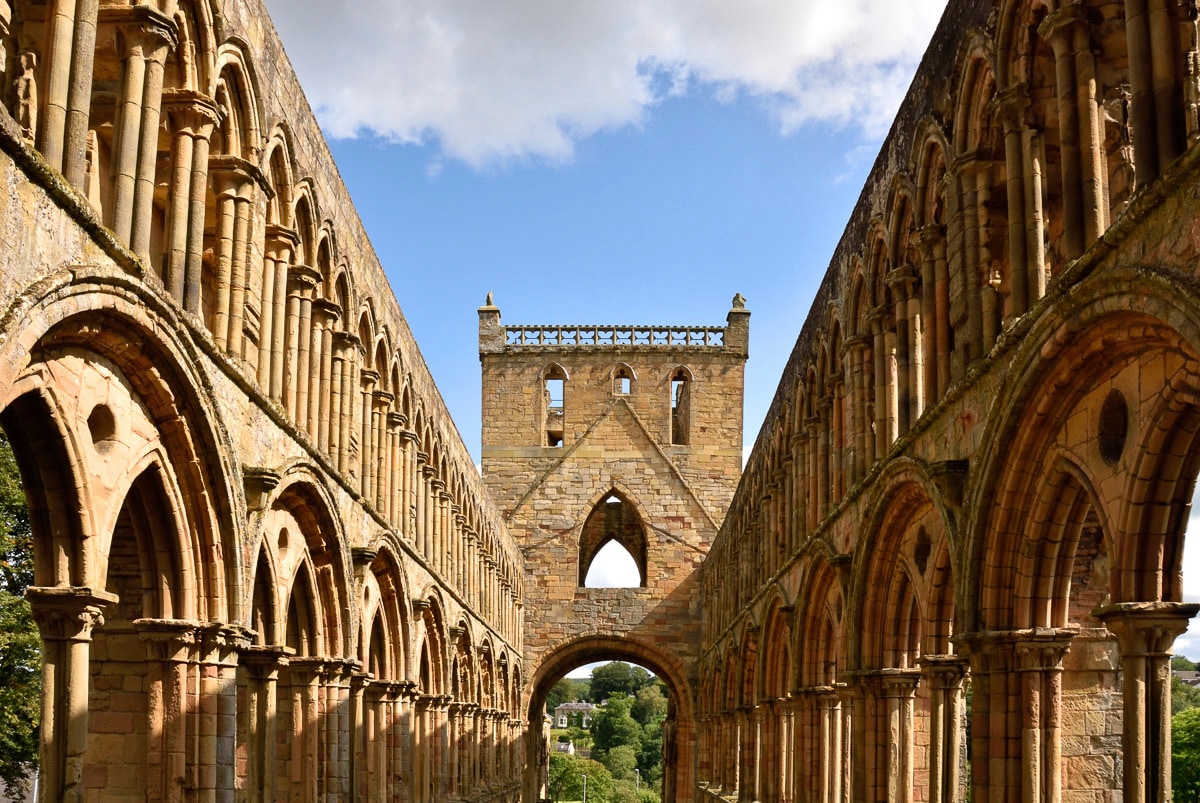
[[679, 732]]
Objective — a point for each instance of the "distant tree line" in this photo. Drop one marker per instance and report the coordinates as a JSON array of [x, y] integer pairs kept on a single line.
[[1185, 733], [625, 737]]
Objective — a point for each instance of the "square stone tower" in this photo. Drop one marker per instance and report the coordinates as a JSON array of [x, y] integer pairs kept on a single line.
[[626, 434], [546, 389]]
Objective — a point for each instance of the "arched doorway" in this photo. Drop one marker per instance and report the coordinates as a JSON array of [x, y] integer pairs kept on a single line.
[[678, 728]]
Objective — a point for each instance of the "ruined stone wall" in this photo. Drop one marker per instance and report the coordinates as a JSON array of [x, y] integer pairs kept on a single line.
[[977, 468], [264, 562]]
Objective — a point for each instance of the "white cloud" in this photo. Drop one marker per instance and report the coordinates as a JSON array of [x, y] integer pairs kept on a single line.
[[496, 81]]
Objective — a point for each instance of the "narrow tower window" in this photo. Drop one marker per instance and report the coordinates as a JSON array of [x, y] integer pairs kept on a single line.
[[623, 380], [680, 407], [552, 402]]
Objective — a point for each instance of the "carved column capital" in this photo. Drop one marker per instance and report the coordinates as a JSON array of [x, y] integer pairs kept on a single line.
[[259, 483], [1010, 105], [943, 671], [232, 176], [279, 240], [1066, 28], [191, 112], [168, 639], [325, 312], [142, 30], [1148, 628], [262, 661], [68, 613], [303, 278]]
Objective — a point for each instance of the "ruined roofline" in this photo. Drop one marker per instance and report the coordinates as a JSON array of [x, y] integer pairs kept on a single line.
[[496, 338], [614, 335]]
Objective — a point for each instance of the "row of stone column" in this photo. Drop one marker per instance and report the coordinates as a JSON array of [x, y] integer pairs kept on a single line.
[[484, 753], [856, 741], [306, 357], [339, 402], [214, 707], [188, 690], [832, 744]]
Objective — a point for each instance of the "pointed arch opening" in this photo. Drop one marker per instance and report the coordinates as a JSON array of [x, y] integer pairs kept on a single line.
[[613, 522], [623, 378]]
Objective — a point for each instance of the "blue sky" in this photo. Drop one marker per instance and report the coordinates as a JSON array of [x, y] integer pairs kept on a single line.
[[661, 224], [603, 161], [607, 161]]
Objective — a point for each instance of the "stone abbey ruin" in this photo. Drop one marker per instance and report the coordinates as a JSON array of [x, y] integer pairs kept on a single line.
[[266, 568]]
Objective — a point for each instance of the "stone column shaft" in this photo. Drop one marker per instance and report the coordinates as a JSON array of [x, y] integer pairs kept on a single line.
[[1146, 633], [194, 282], [973, 270], [66, 618], [944, 676], [227, 225], [125, 137], [147, 147], [61, 22], [1035, 219]]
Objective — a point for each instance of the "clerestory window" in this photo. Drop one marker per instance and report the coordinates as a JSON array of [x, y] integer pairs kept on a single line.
[[681, 403], [553, 410]]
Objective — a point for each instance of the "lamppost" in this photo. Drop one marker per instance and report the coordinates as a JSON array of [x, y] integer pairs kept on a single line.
[[584, 789], [637, 779]]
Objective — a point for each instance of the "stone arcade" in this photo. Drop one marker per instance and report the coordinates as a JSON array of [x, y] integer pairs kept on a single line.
[[266, 567]]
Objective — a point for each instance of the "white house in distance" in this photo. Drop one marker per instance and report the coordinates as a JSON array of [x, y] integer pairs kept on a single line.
[[576, 713]]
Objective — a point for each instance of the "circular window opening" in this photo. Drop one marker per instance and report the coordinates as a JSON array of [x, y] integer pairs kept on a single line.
[[102, 425], [1114, 426]]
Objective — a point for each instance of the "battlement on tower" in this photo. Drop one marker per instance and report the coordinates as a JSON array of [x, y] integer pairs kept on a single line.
[[495, 337]]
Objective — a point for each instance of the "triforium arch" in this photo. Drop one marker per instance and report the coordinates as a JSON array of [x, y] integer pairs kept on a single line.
[[679, 728]]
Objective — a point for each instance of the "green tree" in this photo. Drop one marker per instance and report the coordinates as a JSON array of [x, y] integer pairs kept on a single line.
[[1183, 696], [621, 761], [613, 726], [623, 792], [650, 751], [1180, 662], [617, 677], [20, 642], [650, 705], [1185, 756], [566, 779], [16, 536]]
